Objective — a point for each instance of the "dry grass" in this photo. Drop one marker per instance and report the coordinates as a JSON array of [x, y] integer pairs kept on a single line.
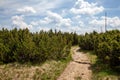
[[49, 70]]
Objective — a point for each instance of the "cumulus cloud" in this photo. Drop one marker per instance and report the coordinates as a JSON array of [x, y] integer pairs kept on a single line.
[[53, 18], [111, 21], [84, 7], [78, 17], [59, 20], [18, 21], [114, 22], [97, 22], [26, 9], [44, 21]]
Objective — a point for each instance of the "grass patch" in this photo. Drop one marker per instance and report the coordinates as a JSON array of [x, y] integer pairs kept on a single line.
[[49, 70], [100, 71]]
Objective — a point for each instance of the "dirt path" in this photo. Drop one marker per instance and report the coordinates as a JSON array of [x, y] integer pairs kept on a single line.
[[78, 69]]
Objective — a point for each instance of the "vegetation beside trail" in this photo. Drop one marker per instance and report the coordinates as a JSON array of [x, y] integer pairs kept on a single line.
[[23, 46], [34, 56], [49, 70], [104, 52], [101, 71], [105, 45], [52, 48]]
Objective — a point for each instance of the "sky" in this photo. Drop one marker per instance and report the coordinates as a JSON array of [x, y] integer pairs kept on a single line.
[[78, 16]]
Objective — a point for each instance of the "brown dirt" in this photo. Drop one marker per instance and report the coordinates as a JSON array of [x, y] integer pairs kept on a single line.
[[78, 69]]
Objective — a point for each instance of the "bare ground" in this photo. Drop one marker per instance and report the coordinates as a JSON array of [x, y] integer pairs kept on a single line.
[[78, 69]]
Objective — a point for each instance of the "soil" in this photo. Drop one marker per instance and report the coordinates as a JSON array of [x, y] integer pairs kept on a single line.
[[79, 68]]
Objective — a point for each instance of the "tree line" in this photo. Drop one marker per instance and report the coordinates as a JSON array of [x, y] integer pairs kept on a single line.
[[105, 45], [23, 46]]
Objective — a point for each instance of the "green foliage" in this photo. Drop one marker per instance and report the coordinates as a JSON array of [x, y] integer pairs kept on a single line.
[[106, 46], [23, 46], [87, 42]]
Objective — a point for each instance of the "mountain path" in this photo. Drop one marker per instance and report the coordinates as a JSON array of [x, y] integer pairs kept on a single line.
[[79, 68]]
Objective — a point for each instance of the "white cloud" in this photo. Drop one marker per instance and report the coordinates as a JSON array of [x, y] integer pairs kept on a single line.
[[38, 13], [77, 17], [53, 21], [111, 21], [114, 22], [44, 28], [44, 21], [18, 21], [26, 9], [59, 20], [84, 7], [97, 22], [81, 23], [42, 6], [39, 7], [74, 28], [53, 18]]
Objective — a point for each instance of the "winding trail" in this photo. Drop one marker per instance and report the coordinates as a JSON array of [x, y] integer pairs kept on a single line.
[[79, 68]]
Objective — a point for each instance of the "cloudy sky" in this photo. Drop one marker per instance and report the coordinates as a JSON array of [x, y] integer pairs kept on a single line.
[[66, 15]]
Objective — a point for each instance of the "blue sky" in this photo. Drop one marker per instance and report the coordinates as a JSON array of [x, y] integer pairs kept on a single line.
[[66, 15]]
